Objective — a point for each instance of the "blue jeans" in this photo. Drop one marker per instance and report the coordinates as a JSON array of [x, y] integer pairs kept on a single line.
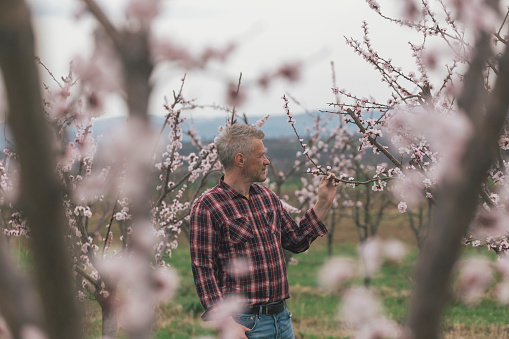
[[276, 326]]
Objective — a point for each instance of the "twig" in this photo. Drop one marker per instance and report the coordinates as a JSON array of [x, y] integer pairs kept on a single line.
[[87, 277], [176, 100], [108, 229], [236, 96], [38, 60], [352, 181]]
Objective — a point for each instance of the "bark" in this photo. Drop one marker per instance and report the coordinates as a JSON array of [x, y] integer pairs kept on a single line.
[[132, 47], [19, 304], [109, 322], [41, 191], [458, 197]]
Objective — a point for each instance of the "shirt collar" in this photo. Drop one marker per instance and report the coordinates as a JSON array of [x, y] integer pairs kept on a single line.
[[254, 189]]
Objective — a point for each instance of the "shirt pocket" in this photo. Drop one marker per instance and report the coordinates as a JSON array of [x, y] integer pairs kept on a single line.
[[271, 221], [239, 230]]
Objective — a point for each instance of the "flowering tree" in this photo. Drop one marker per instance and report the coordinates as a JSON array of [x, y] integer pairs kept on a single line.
[[94, 190], [100, 187], [343, 153], [446, 119], [40, 194]]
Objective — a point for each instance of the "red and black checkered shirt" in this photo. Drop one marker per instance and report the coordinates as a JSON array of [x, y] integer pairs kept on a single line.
[[227, 229]]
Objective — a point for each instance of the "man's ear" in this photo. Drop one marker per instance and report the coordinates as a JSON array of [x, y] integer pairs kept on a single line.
[[240, 160]]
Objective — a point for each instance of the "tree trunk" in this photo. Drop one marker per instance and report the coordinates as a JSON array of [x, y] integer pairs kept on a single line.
[[19, 304], [109, 321], [40, 189], [458, 197]]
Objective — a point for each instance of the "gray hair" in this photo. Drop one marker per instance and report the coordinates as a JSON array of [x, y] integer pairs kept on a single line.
[[235, 139]]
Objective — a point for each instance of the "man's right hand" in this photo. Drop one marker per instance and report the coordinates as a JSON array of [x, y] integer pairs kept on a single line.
[[230, 329]]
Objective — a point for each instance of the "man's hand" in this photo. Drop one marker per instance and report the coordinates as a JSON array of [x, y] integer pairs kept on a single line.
[[230, 329], [326, 193]]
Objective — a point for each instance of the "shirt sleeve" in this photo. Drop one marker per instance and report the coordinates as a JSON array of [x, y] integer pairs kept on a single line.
[[297, 238], [203, 245]]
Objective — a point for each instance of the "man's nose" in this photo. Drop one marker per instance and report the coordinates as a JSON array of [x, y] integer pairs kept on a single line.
[[266, 161]]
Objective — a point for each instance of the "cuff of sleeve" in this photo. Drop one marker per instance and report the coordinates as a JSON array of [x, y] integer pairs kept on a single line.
[[317, 224], [213, 312]]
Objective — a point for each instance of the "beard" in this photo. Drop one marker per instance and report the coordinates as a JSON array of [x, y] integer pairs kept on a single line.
[[255, 175]]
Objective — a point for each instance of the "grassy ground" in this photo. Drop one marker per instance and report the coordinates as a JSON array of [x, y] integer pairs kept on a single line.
[[314, 311]]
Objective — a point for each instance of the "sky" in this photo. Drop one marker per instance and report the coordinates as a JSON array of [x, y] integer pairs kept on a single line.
[[267, 33]]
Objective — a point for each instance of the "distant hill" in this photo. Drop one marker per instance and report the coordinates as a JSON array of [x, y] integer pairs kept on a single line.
[[280, 139], [275, 127], [207, 128]]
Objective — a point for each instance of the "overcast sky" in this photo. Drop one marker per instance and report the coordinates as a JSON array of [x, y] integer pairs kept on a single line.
[[267, 32]]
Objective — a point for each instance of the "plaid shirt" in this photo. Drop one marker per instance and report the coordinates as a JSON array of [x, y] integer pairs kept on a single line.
[[237, 245]]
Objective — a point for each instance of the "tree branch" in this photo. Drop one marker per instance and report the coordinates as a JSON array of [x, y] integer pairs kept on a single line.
[[41, 191], [458, 196]]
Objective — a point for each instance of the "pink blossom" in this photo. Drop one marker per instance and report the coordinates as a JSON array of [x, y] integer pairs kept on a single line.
[[260, 122], [408, 187], [379, 328], [394, 250], [217, 54], [167, 50], [226, 308], [291, 72], [374, 5], [427, 183], [102, 72], [136, 309], [144, 11], [358, 307], [335, 271], [289, 208], [476, 15], [431, 59], [445, 132], [502, 265], [143, 236], [4, 328], [115, 269], [240, 267], [502, 292], [402, 206], [371, 252], [474, 276], [495, 198], [32, 332], [411, 10], [490, 223], [165, 284], [235, 96], [105, 294], [81, 297], [264, 81]]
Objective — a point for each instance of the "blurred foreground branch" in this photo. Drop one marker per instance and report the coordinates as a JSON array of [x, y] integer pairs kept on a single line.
[[458, 196], [41, 192]]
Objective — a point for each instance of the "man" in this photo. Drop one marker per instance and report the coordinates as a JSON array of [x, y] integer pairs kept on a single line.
[[238, 221]]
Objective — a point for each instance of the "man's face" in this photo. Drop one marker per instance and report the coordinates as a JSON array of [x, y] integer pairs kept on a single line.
[[256, 163]]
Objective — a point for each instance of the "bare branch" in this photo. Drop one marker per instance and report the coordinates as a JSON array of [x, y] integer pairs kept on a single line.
[[236, 95]]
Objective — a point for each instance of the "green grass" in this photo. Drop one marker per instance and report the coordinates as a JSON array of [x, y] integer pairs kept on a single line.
[[315, 311]]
